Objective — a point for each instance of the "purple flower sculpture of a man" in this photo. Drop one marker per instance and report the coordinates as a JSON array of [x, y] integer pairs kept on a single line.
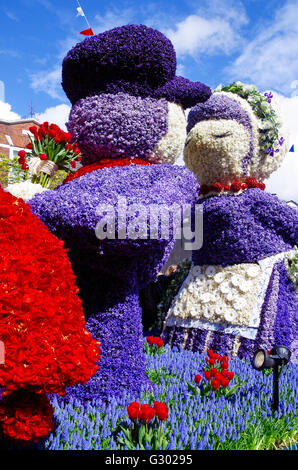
[[238, 296], [128, 119]]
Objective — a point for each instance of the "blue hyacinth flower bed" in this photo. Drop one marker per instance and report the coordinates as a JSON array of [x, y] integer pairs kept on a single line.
[[243, 420]]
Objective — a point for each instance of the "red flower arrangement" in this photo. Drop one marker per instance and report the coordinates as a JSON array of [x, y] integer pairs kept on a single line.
[[42, 325], [234, 187], [146, 413], [105, 163], [153, 345], [155, 340], [141, 432], [216, 373], [52, 145]]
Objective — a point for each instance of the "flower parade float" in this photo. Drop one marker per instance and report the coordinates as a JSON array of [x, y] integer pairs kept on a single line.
[[238, 296], [128, 120], [42, 327]]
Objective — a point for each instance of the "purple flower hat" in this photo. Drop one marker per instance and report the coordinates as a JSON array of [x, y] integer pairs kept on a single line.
[[127, 100], [133, 59]]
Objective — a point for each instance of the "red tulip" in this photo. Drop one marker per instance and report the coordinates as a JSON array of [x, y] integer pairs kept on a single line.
[[215, 384], [22, 154], [146, 413], [68, 136], [33, 129], [43, 156], [161, 410], [73, 164], [52, 133], [231, 375], [207, 374], [42, 131], [133, 410], [198, 378]]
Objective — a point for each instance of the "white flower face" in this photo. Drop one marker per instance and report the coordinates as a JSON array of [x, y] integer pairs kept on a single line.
[[171, 145], [214, 150]]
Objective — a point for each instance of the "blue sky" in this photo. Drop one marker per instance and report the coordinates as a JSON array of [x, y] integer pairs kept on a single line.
[[209, 37], [216, 41]]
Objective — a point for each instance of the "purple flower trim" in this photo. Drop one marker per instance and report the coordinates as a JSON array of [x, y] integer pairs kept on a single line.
[[245, 228], [178, 337], [221, 343], [218, 107], [131, 54], [117, 125], [265, 335], [182, 91], [196, 339], [222, 107], [285, 326], [110, 273]]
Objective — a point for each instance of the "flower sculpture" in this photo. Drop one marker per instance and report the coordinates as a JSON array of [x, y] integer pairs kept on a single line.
[[42, 325], [237, 295], [128, 120]]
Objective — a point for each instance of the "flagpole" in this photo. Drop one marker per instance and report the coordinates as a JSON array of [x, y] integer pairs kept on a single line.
[[84, 15]]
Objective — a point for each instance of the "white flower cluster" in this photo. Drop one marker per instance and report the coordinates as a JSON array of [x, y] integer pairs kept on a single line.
[[216, 159], [219, 294], [171, 145], [25, 190]]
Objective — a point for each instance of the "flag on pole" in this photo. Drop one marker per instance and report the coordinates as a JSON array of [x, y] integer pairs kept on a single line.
[[80, 11], [87, 32]]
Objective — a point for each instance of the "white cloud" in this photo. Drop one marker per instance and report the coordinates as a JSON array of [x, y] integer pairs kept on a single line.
[[11, 15], [48, 82], [6, 113], [112, 19], [56, 114], [283, 182], [196, 34], [270, 59], [211, 29]]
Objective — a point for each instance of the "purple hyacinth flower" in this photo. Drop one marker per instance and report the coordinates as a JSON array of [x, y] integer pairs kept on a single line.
[[269, 96]]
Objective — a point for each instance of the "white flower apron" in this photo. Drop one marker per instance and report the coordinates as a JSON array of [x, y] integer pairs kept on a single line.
[[227, 299]]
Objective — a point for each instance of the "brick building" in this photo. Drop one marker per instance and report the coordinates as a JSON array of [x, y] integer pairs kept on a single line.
[[14, 135]]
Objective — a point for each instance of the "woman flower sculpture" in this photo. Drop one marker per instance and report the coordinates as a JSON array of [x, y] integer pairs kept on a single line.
[[238, 295], [128, 120], [45, 346]]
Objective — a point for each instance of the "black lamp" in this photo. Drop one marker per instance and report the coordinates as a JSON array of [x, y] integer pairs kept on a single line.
[[278, 356]]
